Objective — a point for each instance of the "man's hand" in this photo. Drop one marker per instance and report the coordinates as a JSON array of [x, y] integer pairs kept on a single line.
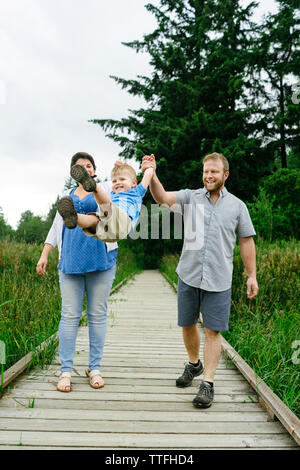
[[252, 287], [148, 161]]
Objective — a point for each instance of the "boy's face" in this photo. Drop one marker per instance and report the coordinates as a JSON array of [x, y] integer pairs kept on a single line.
[[122, 182]]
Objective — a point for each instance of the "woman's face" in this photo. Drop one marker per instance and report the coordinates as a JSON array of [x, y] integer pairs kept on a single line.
[[87, 165]]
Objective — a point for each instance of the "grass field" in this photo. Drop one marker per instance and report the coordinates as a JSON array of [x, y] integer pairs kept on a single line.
[[266, 331], [30, 304]]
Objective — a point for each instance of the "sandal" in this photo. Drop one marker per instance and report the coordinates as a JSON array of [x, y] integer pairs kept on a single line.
[[64, 382], [96, 381]]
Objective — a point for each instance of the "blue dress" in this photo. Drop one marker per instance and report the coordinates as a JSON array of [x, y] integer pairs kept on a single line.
[[80, 253]]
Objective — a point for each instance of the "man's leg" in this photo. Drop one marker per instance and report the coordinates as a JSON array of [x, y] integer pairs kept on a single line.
[[193, 368], [188, 314], [215, 308], [212, 353], [191, 338]]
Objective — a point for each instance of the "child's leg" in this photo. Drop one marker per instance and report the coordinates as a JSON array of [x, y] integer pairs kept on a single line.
[[89, 221], [103, 200]]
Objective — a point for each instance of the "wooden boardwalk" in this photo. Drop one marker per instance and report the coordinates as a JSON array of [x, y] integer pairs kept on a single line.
[[140, 407]]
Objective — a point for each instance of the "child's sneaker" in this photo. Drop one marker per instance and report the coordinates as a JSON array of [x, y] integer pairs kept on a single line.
[[67, 210], [80, 175]]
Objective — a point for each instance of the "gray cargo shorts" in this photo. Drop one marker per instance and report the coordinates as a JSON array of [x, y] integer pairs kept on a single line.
[[214, 306]]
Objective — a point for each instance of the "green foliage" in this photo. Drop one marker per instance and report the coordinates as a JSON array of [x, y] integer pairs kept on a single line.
[[6, 231], [275, 212], [31, 228]]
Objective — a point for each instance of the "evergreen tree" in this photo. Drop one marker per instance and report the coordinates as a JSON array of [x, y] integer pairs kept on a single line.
[[278, 56], [199, 96]]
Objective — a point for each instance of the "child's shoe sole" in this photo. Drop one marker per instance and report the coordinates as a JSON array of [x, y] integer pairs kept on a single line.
[[67, 210], [80, 175]]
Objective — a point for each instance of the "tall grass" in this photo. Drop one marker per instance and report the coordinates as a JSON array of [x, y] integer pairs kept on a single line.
[[29, 304], [263, 330]]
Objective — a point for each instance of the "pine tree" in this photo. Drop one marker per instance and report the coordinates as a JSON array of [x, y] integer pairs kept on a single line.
[[199, 96], [279, 58]]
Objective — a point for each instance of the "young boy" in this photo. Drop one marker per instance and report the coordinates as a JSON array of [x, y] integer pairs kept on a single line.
[[118, 213]]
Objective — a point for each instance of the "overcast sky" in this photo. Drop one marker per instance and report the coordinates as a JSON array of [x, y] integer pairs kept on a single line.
[[56, 58]]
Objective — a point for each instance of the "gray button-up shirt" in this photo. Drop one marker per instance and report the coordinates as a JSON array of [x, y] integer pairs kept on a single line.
[[210, 233]]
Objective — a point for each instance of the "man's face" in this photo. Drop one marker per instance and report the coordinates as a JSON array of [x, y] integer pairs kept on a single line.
[[213, 175], [122, 182]]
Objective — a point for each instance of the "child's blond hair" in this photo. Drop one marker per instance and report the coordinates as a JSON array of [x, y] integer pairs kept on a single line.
[[124, 168]]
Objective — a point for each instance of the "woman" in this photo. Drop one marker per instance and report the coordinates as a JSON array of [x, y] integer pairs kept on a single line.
[[86, 265]]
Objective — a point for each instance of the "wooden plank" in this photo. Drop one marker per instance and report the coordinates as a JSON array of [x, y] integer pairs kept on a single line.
[[139, 372], [146, 427], [133, 387], [156, 441], [101, 394], [180, 406], [124, 415]]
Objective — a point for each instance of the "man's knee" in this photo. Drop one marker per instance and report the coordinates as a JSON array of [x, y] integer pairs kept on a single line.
[[211, 333], [190, 328]]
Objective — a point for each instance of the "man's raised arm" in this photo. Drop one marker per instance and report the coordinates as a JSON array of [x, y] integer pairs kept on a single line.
[[159, 194]]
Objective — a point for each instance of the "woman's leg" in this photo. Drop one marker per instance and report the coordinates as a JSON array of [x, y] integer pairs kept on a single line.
[[72, 287], [98, 287]]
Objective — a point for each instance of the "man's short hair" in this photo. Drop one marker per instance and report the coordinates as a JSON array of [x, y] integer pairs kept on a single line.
[[217, 156], [124, 168]]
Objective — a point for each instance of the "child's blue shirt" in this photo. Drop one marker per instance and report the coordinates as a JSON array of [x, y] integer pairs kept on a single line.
[[130, 201]]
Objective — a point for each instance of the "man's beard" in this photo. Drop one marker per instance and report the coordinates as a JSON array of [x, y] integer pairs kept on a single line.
[[217, 185]]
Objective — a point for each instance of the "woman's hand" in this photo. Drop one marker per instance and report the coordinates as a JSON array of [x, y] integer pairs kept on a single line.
[[42, 265]]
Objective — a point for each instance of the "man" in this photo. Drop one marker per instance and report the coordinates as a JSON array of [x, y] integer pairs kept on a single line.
[[213, 218]]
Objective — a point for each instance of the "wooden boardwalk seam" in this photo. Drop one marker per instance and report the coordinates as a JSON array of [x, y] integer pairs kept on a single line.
[[140, 407]]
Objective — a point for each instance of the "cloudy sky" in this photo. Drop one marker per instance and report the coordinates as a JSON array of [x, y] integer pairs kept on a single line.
[[56, 58]]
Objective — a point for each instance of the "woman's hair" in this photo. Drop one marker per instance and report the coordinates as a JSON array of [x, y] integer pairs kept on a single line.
[[124, 168], [217, 156], [83, 155]]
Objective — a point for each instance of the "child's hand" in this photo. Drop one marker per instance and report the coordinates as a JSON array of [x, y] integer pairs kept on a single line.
[[148, 161], [118, 163]]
